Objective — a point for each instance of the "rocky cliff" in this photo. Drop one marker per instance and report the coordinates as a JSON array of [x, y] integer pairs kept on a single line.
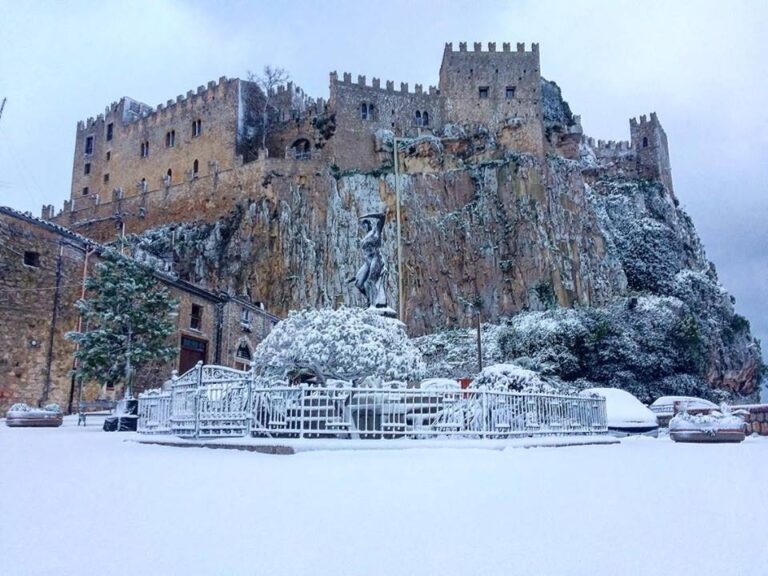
[[568, 241]]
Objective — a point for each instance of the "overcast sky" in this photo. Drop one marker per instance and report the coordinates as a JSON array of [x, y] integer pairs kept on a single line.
[[701, 65]]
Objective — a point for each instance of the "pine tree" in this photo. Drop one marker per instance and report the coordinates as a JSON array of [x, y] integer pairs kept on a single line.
[[127, 320]]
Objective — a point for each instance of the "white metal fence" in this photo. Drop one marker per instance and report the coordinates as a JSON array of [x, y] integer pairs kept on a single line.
[[213, 401]]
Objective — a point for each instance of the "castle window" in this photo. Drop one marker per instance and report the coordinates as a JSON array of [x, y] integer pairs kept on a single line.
[[510, 92], [89, 145], [645, 142], [109, 155], [106, 178], [364, 111], [169, 176], [197, 126], [32, 259], [425, 118], [110, 130], [301, 149], [87, 168], [483, 92], [143, 184], [85, 191], [195, 168], [170, 139], [145, 149], [418, 118], [196, 317]]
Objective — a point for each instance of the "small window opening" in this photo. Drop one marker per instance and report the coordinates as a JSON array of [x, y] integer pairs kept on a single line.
[[364, 111], [483, 92], [106, 178], [196, 128], [110, 131], [145, 149], [425, 119], [196, 317], [645, 142], [301, 149], [169, 176], [109, 155], [510, 92], [243, 352], [195, 168], [170, 139], [89, 145], [32, 259], [87, 168], [85, 191], [418, 118]]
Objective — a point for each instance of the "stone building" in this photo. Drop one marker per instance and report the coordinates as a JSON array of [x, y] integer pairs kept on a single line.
[[43, 267]]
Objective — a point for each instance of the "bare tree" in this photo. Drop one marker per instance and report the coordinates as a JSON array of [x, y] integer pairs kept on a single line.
[[268, 81]]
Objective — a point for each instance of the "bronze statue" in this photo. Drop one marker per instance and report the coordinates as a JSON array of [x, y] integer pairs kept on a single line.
[[372, 274]]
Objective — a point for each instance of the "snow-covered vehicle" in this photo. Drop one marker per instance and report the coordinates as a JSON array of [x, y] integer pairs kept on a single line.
[[667, 406], [716, 426], [22, 415], [625, 414]]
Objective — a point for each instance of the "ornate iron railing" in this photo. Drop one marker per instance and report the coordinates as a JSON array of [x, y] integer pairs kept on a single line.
[[214, 401]]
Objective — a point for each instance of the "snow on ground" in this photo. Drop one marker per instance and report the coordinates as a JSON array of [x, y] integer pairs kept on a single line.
[[82, 502]]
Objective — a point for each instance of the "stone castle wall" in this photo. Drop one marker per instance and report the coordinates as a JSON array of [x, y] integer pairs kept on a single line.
[[116, 166]]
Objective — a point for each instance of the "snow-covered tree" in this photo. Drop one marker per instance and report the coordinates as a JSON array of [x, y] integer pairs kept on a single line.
[[127, 319], [348, 343]]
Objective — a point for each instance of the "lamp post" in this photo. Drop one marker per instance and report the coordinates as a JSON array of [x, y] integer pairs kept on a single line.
[[400, 299]]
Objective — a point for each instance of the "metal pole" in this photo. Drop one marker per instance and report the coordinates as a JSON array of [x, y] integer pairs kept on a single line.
[[479, 344], [400, 299]]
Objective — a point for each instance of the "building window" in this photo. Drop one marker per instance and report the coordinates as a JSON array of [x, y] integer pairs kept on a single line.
[[168, 177], [364, 111], [301, 149], [418, 118], [106, 178], [109, 155], [195, 168], [89, 145], [110, 130], [85, 191], [32, 259], [196, 128], [645, 142], [196, 318], [483, 92], [243, 352], [170, 139], [145, 149], [87, 168], [143, 184], [425, 118], [510, 92]]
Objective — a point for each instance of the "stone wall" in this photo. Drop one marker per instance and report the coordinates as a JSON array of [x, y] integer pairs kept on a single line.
[[495, 88], [756, 419], [394, 110], [118, 163]]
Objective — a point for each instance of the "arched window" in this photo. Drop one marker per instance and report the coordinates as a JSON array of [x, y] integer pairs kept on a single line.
[[301, 149], [243, 352], [364, 111], [418, 118], [195, 168], [143, 184], [425, 118], [645, 142], [169, 176]]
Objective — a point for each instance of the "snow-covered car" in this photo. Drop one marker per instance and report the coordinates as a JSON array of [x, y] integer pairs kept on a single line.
[[625, 414], [440, 384], [666, 406]]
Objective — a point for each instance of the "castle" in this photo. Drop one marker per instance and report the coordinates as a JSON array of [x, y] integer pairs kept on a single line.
[[136, 166]]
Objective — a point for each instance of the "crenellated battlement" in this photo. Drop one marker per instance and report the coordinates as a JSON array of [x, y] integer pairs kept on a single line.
[[643, 120], [506, 47], [609, 146], [149, 115], [389, 85]]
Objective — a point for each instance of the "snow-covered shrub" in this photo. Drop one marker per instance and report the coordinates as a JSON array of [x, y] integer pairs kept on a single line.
[[709, 424], [52, 408], [20, 407], [348, 344], [507, 377]]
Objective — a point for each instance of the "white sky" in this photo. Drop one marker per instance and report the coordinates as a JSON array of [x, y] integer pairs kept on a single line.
[[701, 65]]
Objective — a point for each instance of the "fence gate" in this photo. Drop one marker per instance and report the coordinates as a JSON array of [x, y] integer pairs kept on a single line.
[[184, 402], [223, 402]]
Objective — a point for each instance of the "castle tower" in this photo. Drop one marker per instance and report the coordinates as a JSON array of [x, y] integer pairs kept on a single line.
[[495, 88], [651, 151]]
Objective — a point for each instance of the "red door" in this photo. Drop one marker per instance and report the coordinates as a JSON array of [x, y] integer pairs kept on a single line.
[[192, 351]]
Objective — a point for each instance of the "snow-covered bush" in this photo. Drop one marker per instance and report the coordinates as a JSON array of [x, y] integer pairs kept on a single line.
[[348, 344], [52, 408], [709, 424], [514, 378], [20, 407]]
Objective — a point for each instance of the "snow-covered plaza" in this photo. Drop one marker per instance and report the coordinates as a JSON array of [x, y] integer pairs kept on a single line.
[[79, 501]]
